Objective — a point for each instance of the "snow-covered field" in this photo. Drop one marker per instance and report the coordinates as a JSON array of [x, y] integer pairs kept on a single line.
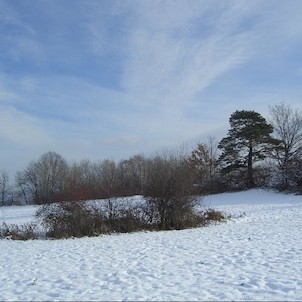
[[256, 256]]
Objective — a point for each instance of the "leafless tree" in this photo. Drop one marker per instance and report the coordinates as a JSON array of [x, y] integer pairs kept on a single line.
[[204, 160], [169, 191], [21, 190], [287, 123], [4, 187], [44, 178], [81, 181], [108, 177], [132, 174]]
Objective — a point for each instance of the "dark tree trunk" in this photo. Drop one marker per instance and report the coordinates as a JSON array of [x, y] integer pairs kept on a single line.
[[285, 167], [250, 179]]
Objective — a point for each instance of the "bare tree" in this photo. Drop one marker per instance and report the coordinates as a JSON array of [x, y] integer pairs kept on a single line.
[[21, 191], [133, 174], [45, 178], [81, 182], [4, 187], [169, 191], [287, 123], [204, 160], [109, 178]]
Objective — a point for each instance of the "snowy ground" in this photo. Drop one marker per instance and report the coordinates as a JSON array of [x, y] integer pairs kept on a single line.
[[256, 256]]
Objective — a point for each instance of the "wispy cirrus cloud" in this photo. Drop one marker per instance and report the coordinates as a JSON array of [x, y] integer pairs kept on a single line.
[[175, 56]]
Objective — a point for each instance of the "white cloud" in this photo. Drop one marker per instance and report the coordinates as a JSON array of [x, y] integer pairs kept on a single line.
[[21, 129], [166, 67]]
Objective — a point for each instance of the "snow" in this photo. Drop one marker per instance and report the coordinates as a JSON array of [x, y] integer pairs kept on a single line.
[[255, 255]]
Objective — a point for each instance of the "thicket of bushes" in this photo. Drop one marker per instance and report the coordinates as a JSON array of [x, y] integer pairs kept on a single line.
[[19, 232], [78, 219]]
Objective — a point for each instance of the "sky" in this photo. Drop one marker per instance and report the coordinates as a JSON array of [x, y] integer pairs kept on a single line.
[[108, 79]]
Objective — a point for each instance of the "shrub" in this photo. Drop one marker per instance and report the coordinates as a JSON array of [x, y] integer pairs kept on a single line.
[[128, 221], [78, 219], [211, 215], [70, 219], [169, 192], [15, 232]]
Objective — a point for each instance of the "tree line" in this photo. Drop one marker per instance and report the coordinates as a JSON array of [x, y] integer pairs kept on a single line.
[[255, 153]]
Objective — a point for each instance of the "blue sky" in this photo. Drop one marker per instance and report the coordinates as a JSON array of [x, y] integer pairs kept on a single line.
[[111, 79]]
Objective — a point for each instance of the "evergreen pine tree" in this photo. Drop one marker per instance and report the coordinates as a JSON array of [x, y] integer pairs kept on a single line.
[[248, 141]]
